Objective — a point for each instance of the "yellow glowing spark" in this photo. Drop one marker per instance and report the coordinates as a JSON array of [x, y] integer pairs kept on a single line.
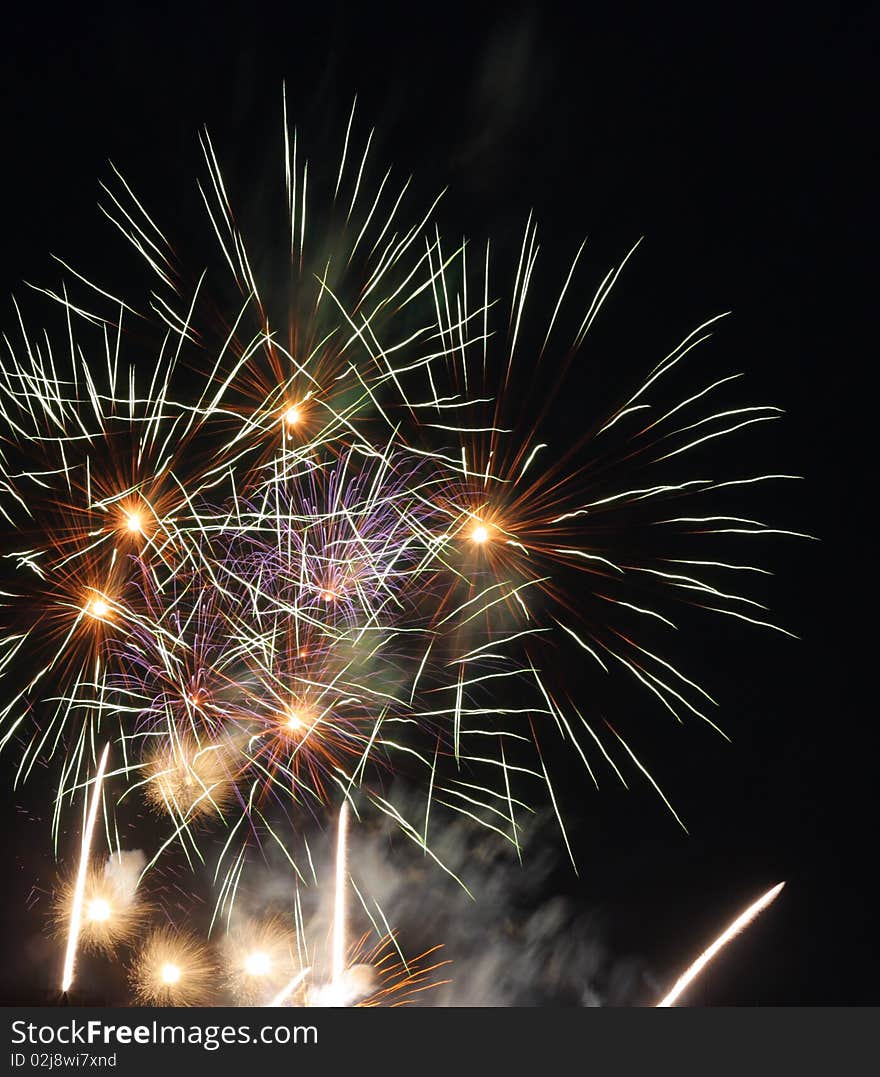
[[294, 722], [169, 973], [76, 909], [739, 924], [258, 959], [480, 534], [293, 415], [98, 910], [113, 910], [257, 964], [98, 607], [134, 523], [188, 779]]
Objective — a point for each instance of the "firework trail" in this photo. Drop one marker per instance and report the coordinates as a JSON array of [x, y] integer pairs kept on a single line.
[[339, 898], [731, 931], [76, 909], [289, 988]]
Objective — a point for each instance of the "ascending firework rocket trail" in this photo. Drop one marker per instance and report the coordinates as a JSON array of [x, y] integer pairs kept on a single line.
[[730, 932]]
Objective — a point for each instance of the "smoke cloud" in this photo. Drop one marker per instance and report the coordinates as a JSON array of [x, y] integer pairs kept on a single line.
[[510, 940], [123, 871]]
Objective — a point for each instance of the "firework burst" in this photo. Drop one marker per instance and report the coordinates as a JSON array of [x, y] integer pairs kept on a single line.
[[173, 968], [335, 535], [114, 911]]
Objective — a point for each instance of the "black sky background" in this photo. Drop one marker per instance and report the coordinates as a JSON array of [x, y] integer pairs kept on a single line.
[[736, 142]]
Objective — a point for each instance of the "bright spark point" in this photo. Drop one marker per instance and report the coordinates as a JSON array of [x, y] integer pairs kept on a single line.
[[98, 608], [480, 534], [98, 910], [134, 523], [293, 415], [257, 964], [294, 721], [170, 974]]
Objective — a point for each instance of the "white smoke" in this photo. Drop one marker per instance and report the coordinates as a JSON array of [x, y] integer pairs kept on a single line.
[[510, 940], [513, 942], [123, 871]]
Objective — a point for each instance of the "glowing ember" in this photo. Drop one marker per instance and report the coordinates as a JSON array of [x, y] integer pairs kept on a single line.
[[294, 722], [98, 910], [99, 608], [257, 964]]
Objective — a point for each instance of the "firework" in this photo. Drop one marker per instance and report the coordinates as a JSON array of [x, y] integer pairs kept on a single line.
[[377, 975], [283, 619], [113, 909], [360, 974], [336, 534], [731, 931], [188, 779], [259, 958], [173, 968]]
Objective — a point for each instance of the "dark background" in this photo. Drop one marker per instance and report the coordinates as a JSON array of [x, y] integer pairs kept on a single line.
[[736, 142]]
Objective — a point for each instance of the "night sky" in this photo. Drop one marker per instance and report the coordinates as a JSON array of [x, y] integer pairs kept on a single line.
[[734, 143]]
